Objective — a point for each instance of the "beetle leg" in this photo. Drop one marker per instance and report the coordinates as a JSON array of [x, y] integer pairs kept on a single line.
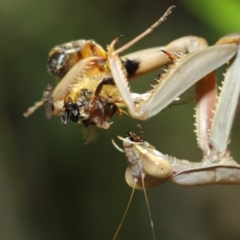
[[105, 81], [46, 101]]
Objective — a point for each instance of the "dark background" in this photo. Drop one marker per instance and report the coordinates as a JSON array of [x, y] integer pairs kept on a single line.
[[54, 187]]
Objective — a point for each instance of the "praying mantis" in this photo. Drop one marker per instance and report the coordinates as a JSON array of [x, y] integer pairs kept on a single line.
[[146, 105], [214, 119]]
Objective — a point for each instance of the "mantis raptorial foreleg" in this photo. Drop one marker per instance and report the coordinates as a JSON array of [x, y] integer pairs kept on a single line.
[[186, 72], [214, 121]]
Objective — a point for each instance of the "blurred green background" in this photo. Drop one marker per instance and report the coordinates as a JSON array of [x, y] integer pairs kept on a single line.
[[54, 187]]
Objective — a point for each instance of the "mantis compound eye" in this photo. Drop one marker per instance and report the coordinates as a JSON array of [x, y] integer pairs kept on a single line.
[[151, 166], [155, 164]]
